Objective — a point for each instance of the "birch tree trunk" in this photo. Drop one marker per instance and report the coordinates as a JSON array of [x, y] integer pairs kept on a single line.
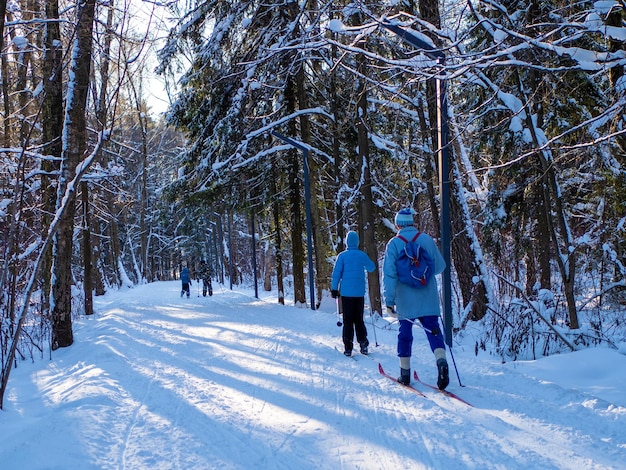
[[143, 125]]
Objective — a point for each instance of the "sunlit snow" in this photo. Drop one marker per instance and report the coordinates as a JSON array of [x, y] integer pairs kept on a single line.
[[155, 381]]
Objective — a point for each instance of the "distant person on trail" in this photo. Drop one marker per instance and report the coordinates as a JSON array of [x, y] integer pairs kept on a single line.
[[348, 286], [410, 303], [205, 275], [186, 281]]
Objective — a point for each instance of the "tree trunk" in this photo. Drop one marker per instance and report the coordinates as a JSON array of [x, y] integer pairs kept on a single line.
[[232, 258], [143, 227], [23, 61], [52, 127], [90, 272], [542, 239], [320, 245], [555, 214], [6, 94], [615, 18], [73, 149], [430, 170], [336, 137], [268, 266], [468, 261], [143, 124], [87, 258], [295, 203], [278, 248], [366, 205]]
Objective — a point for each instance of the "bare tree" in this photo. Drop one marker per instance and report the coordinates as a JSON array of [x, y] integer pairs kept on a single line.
[[74, 146]]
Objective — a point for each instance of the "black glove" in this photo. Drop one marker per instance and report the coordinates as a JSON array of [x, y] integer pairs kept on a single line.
[[334, 293]]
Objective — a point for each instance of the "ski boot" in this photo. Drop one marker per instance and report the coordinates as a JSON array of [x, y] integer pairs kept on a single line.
[[443, 378], [405, 376]]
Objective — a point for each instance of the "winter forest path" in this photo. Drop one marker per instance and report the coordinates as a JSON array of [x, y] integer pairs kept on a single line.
[[233, 382]]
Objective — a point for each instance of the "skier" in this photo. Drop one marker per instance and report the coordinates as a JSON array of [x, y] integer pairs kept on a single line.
[[348, 284], [186, 281], [205, 274], [410, 303]]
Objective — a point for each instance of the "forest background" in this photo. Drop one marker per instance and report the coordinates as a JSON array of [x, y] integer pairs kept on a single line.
[[98, 193]]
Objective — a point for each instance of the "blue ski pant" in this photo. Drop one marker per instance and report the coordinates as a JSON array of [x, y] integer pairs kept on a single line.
[[433, 333]]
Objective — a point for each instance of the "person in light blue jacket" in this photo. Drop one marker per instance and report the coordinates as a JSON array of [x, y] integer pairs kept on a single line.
[[409, 304], [348, 285]]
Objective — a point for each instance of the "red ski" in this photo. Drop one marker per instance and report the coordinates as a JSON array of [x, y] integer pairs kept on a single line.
[[445, 392], [410, 387]]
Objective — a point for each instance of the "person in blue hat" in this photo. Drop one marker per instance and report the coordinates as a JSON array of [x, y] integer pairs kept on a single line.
[[348, 285], [409, 304]]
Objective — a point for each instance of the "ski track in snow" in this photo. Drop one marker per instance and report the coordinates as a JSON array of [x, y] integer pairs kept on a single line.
[[234, 382]]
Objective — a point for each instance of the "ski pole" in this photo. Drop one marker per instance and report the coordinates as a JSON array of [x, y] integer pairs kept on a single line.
[[458, 377], [418, 324], [338, 315], [455, 368], [373, 327]]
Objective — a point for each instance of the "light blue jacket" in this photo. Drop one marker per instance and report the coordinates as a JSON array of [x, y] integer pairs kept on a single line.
[[349, 271], [184, 276], [411, 302]]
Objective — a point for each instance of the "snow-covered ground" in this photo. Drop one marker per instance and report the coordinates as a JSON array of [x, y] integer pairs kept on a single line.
[[154, 381]]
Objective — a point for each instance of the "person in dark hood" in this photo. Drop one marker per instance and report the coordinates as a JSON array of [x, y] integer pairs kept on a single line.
[[205, 275]]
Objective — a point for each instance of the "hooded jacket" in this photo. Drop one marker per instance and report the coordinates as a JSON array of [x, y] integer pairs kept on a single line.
[[411, 302], [349, 271]]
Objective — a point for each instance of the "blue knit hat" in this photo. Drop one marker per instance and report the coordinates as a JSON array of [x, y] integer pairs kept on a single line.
[[404, 217]]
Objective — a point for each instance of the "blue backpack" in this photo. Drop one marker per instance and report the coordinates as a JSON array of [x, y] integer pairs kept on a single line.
[[415, 265]]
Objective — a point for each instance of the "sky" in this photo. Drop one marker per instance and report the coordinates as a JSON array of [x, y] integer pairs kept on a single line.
[[152, 19], [156, 381]]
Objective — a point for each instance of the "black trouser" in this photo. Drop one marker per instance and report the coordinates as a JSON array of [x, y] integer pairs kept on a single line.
[[353, 321], [207, 286]]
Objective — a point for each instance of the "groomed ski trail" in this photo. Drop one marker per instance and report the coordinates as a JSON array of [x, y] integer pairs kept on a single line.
[[234, 382]]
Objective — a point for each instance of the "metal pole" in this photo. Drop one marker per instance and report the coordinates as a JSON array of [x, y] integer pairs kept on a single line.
[[307, 201], [444, 189]]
